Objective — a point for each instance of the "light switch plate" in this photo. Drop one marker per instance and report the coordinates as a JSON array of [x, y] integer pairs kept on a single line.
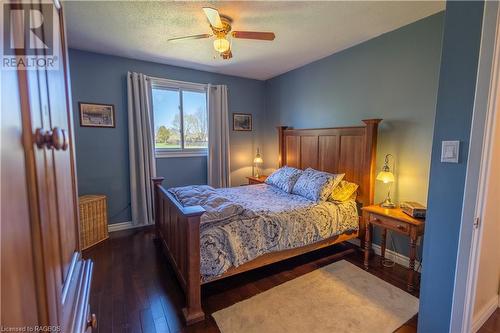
[[449, 151]]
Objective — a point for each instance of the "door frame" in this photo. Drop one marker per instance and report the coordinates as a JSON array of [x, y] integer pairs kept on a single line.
[[478, 164]]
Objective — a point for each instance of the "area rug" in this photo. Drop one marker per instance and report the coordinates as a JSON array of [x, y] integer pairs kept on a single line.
[[337, 298]]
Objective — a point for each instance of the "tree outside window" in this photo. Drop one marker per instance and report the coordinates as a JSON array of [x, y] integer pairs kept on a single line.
[[180, 120]]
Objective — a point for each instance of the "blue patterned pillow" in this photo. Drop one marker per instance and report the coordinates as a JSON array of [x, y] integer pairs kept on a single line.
[[316, 185], [284, 178]]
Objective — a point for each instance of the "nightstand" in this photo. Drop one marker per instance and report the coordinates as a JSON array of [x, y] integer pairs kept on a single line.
[[256, 180], [396, 220]]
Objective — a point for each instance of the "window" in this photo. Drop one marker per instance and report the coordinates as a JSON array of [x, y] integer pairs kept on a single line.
[[180, 118]]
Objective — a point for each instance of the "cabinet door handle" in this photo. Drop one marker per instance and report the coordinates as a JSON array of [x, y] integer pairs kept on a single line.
[[52, 139], [59, 139], [92, 321]]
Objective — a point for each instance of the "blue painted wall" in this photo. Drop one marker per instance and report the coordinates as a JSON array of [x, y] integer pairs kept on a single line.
[[183, 170], [457, 83], [394, 77], [102, 153]]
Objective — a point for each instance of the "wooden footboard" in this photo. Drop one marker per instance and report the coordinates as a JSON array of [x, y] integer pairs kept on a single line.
[[178, 229]]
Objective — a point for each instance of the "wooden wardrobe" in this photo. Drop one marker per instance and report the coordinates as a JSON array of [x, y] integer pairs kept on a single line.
[[45, 283]]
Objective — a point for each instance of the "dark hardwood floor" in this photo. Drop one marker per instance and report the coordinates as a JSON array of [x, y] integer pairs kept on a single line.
[[492, 325], [134, 290]]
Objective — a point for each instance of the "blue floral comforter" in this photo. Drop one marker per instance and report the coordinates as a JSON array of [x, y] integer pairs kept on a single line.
[[242, 223]]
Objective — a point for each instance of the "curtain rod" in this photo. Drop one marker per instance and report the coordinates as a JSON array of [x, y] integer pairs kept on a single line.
[[150, 77]]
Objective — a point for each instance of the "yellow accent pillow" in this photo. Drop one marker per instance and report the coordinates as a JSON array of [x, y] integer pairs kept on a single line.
[[344, 191]]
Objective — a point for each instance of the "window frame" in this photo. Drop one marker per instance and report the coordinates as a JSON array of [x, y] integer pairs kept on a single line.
[[180, 86]]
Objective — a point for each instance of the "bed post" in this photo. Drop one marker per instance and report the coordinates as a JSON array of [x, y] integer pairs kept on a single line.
[[193, 312], [369, 167], [157, 181], [281, 146], [178, 229], [370, 160]]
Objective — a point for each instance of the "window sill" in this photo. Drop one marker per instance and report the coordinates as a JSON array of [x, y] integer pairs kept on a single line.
[[180, 153]]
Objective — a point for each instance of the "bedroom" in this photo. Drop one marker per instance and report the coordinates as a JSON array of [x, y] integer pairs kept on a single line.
[[372, 102]]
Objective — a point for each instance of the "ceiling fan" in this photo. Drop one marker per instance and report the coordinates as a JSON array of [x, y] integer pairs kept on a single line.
[[221, 27]]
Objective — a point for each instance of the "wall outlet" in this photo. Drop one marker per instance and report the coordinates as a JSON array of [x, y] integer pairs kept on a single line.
[[449, 151]]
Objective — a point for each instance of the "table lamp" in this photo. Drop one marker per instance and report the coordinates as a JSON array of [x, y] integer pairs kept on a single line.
[[257, 161], [387, 177]]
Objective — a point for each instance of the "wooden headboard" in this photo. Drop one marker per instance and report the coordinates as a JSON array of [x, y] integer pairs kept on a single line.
[[349, 150]]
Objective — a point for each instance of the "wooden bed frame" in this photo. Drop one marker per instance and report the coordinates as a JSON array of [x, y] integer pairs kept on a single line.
[[350, 150]]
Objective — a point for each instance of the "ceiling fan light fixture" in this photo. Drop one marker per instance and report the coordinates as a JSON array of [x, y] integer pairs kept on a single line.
[[222, 31], [221, 44]]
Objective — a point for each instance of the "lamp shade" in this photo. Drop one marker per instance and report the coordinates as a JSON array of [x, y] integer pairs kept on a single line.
[[386, 177], [258, 159], [221, 44]]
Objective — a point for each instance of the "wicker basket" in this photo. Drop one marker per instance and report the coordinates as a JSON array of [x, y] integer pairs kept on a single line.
[[93, 220]]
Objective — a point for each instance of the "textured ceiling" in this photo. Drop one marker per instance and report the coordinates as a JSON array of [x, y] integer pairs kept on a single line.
[[305, 30]]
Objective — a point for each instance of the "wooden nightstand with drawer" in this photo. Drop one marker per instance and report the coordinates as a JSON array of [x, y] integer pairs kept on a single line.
[[396, 220], [256, 180]]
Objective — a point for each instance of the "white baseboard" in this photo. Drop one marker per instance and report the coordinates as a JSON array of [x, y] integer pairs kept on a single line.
[[121, 226], [389, 254], [124, 226], [484, 314]]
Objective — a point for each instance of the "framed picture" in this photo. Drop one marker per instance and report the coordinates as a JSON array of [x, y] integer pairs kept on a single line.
[[242, 122], [97, 115]]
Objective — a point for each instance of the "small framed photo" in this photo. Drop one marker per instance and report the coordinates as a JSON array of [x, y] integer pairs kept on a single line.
[[97, 115], [242, 122]]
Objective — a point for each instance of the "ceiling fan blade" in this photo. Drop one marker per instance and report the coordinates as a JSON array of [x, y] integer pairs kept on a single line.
[[213, 17], [189, 37], [253, 35]]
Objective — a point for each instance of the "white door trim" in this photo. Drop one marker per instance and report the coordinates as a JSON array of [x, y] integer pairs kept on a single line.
[[476, 187], [484, 184]]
